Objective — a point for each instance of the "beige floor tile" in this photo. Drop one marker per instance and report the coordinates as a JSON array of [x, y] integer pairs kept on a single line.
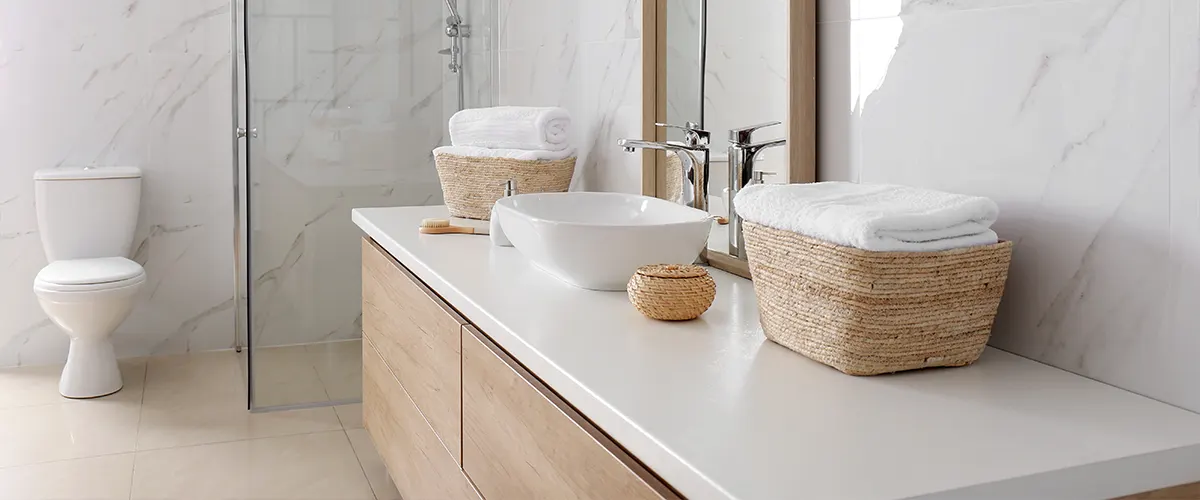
[[350, 415], [339, 365], [79, 429], [38, 385], [376, 472], [218, 371], [286, 376], [318, 466], [190, 416], [91, 478]]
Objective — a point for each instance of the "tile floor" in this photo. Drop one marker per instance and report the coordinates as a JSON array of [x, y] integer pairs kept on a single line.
[[179, 429], [311, 373]]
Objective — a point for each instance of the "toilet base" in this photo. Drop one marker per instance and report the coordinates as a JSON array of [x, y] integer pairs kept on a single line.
[[91, 370]]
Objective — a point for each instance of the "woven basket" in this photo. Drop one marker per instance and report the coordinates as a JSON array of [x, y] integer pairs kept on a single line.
[[672, 292], [472, 185], [867, 313]]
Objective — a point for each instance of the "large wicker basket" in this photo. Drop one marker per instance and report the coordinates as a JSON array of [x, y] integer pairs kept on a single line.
[[472, 185], [867, 313]]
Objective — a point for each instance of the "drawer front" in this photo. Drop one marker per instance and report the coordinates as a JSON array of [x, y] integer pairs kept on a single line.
[[419, 339], [416, 459], [521, 441]]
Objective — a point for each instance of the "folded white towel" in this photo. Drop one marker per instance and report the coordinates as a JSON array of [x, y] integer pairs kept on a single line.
[[876, 217], [512, 127], [516, 154]]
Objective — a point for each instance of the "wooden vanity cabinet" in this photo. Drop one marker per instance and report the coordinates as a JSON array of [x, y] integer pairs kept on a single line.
[[521, 441], [454, 416], [419, 338]]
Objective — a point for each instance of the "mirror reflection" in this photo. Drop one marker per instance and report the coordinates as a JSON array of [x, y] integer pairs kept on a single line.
[[726, 68]]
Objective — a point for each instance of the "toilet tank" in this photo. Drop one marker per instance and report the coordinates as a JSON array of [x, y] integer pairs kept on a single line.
[[87, 213]]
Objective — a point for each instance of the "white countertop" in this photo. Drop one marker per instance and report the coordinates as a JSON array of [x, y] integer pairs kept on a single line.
[[720, 412]]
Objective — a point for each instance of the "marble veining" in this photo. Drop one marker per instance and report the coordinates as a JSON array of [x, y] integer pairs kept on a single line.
[[1083, 125], [350, 99], [584, 56], [116, 82]]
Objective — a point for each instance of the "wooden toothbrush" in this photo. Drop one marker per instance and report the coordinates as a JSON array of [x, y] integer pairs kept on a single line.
[[442, 226]]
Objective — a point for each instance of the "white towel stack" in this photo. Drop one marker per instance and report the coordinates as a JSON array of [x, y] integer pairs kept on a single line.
[[877, 217], [521, 133]]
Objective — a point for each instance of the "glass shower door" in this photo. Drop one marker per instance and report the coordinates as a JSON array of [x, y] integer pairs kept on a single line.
[[345, 100]]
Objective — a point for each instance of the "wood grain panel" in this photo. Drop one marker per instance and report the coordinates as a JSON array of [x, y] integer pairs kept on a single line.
[[802, 95], [419, 339], [1182, 492], [522, 441], [416, 459]]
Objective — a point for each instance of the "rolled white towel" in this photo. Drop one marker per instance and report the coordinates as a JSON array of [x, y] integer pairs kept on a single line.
[[516, 154], [512, 127], [878, 217]]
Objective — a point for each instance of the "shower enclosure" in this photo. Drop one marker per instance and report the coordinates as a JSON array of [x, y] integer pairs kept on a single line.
[[340, 104]]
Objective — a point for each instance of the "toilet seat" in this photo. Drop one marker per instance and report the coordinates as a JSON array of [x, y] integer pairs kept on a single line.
[[84, 275]]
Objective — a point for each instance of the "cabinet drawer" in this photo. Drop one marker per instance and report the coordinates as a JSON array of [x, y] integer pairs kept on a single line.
[[418, 462], [419, 338], [521, 441]]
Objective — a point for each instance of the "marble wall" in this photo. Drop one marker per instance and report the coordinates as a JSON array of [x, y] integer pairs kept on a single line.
[[121, 82], [585, 56], [1082, 120], [349, 98]]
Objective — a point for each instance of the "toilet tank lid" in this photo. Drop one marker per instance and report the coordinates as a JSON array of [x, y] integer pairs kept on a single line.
[[90, 271], [81, 173]]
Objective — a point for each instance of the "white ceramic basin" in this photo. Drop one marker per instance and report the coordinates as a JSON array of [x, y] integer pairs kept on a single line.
[[598, 240]]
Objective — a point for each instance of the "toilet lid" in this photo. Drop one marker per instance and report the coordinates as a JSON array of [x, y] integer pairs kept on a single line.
[[90, 271]]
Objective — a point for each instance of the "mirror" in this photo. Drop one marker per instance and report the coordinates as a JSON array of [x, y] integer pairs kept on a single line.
[[731, 65]]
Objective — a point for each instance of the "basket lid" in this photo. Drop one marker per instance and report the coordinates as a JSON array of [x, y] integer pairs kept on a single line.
[[672, 271]]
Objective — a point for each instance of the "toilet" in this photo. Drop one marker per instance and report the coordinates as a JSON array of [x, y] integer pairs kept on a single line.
[[87, 218]]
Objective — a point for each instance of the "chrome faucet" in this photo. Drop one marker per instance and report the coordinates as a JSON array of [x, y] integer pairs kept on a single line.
[[695, 170], [742, 155]]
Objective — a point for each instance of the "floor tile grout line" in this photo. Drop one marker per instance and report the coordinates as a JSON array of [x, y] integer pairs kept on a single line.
[[227, 441], [361, 467], [138, 432]]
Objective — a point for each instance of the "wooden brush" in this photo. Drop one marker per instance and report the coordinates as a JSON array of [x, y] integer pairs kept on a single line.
[[442, 226]]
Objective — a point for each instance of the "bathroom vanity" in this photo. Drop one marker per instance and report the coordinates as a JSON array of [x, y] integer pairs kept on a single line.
[[484, 377]]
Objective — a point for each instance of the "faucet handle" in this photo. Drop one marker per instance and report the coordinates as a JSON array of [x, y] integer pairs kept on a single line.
[[693, 135], [741, 136]]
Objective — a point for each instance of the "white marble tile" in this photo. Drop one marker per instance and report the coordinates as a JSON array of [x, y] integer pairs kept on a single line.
[[1082, 126], [122, 83]]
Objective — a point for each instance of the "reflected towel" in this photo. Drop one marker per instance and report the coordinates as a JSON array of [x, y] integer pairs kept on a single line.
[[877, 217], [512, 127]]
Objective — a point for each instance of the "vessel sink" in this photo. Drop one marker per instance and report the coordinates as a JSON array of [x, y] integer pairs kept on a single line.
[[598, 240]]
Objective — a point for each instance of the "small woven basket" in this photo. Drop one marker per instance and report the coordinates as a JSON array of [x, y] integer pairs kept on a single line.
[[672, 292], [472, 185], [867, 313]]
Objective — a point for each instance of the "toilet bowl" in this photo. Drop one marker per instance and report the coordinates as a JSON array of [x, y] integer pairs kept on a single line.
[[88, 299], [87, 218]]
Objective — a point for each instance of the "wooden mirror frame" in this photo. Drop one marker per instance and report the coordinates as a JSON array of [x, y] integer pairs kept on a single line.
[[802, 102]]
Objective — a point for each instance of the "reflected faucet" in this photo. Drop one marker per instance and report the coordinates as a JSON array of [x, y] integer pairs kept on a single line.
[[695, 170], [742, 172]]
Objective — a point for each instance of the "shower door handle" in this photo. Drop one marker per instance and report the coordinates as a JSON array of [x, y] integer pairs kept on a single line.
[[243, 133]]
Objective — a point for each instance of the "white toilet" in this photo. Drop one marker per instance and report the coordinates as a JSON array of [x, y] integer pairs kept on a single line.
[[87, 218]]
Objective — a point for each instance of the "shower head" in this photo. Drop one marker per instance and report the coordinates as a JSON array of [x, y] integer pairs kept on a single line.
[[452, 6]]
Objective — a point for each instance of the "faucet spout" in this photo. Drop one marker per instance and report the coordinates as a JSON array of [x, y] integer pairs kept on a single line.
[[694, 174]]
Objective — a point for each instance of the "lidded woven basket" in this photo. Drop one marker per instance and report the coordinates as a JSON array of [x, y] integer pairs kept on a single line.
[[471, 185], [867, 313], [672, 292]]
